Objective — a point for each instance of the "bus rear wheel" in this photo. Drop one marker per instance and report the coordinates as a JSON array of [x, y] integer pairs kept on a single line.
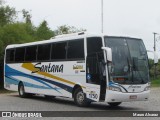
[[21, 90], [80, 98], [114, 104]]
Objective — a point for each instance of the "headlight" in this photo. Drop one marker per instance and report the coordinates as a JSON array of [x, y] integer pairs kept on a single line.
[[114, 88], [147, 88]]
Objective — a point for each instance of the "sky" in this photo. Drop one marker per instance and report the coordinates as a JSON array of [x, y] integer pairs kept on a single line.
[[133, 18]]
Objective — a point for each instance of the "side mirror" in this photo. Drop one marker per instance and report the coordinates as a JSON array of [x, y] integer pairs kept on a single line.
[[155, 57], [109, 53]]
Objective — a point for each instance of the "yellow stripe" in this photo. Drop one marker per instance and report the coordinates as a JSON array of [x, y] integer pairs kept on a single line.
[[30, 67]]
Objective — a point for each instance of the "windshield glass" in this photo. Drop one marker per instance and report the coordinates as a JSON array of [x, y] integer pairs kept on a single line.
[[129, 60]]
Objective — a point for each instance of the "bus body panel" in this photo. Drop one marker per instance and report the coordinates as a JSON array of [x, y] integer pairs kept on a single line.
[[58, 78], [93, 92], [114, 96], [50, 78], [138, 92]]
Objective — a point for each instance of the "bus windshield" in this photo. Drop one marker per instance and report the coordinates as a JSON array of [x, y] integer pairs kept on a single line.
[[129, 60]]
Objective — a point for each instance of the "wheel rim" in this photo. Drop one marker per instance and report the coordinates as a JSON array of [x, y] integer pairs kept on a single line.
[[80, 97], [21, 90]]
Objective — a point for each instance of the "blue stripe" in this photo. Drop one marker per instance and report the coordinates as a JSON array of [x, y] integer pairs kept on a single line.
[[116, 84], [14, 81], [63, 86], [11, 81], [12, 72]]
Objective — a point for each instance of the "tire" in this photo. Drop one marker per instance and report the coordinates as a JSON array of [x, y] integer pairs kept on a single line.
[[80, 98], [21, 90], [114, 104]]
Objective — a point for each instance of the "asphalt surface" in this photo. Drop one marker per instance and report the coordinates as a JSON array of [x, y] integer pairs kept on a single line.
[[12, 102]]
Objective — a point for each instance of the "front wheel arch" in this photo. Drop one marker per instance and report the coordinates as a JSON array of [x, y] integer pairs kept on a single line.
[[74, 89], [80, 98]]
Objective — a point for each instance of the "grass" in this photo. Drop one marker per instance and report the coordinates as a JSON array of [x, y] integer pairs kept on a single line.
[[155, 83]]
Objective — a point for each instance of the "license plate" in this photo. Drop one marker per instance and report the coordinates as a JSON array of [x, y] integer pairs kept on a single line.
[[133, 97]]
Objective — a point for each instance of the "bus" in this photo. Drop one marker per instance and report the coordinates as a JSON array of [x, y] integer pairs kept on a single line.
[[85, 67]]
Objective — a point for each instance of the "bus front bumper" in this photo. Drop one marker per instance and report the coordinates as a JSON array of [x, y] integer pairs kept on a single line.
[[114, 96]]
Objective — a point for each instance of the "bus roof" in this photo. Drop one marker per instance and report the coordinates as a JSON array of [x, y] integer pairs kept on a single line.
[[62, 38], [57, 39]]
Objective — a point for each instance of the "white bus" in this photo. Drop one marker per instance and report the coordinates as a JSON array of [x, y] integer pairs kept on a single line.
[[86, 67]]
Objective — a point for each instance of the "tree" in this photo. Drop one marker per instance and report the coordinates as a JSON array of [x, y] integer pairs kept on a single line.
[[152, 68], [65, 29], [16, 33], [27, 16], [7, 15], [44, 32], [1, 2]]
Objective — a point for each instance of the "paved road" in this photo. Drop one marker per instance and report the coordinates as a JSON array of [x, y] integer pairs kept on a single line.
[[12, 102]]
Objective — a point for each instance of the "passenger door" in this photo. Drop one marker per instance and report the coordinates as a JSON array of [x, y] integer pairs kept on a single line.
[[96, 87]]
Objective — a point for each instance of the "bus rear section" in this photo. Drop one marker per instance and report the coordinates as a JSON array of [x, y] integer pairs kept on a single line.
[[51, 68]]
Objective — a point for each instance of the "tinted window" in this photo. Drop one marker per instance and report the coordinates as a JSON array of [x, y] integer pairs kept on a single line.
[[19, 55], [94, 45], [94, 60], [75, 49], [59, 50], [10, 55], [44, 52], [31, 53]]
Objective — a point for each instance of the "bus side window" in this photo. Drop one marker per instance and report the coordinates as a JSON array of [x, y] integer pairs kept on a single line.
[[31, 53], [59, 51], [19, 55], [10, 55], [44, 52], [75, 49]]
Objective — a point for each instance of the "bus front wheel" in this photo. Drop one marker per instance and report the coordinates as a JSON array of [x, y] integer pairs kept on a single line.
[[80, 98], [114, 104]]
